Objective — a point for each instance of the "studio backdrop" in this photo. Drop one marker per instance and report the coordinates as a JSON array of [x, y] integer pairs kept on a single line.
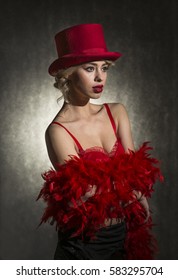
[[144, 80]]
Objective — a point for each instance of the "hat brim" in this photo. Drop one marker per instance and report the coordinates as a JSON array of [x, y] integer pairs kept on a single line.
[[75, 59]]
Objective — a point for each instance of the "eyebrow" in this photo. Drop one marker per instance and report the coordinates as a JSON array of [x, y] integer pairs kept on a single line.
[[95, 64]]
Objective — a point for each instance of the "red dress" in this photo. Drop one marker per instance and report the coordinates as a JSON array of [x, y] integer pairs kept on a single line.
[[116, 175]]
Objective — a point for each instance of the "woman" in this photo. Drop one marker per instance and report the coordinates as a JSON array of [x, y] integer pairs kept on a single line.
[[97, 192]]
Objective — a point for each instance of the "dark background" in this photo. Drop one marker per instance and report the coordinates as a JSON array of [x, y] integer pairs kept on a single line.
[[144, 80]]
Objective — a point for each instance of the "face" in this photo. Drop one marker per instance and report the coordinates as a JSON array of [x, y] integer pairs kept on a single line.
[[89, 79]]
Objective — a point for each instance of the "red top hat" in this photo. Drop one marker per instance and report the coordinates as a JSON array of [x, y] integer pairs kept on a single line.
[[80, 44]]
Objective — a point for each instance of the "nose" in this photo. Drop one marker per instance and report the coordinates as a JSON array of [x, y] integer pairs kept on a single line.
[[98, 76]]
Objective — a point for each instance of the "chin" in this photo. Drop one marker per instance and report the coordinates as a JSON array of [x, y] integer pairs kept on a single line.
[[95, 96]]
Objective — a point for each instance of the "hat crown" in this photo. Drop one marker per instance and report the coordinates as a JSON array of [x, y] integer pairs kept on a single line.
[[79, 39], [80, 44]]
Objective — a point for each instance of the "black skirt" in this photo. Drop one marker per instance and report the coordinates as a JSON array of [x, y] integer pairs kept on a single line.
[[108, 245]]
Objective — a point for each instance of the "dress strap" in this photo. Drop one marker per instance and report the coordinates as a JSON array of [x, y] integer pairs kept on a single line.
[[111, 118], [73, 137]]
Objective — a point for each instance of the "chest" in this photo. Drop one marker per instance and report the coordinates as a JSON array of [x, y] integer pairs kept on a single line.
[[99, 133]]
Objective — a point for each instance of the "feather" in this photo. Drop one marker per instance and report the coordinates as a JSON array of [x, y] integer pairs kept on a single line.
[[116, 178]]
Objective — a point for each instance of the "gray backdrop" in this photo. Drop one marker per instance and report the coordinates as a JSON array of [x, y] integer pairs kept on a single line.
[[144, 80]]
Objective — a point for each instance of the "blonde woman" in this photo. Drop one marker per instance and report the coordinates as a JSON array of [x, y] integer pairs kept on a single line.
[[96, 193]]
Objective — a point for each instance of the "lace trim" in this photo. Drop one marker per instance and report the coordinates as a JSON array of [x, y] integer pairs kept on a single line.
[[102, 150]]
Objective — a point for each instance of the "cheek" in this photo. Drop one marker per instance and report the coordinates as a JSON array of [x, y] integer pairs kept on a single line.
[[84, 81], [105, 77], [79, 84]]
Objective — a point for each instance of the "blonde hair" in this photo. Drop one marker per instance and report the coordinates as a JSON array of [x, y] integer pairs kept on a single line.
[[62, 81]]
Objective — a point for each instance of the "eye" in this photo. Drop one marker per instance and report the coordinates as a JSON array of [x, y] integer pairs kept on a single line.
[[105, 68], [89, 69]]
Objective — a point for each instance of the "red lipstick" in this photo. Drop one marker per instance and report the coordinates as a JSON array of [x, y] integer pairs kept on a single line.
[[98, 89]]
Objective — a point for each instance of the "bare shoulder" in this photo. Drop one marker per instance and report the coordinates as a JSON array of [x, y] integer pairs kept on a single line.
[[59, 144], [54, 130], [118, 110], [56, 134], [121, 118]]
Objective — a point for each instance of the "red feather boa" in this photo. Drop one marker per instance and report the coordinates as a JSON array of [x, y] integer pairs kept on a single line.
[[115, 178]]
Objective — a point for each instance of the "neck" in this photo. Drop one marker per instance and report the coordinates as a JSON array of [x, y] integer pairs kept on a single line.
[[78, 99], [79, 110]]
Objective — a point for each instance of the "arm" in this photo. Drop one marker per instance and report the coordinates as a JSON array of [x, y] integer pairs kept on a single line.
[[125, 134], [60, 146], [124, 128]]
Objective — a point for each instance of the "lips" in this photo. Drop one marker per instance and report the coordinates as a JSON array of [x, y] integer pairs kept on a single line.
[[98, 89]]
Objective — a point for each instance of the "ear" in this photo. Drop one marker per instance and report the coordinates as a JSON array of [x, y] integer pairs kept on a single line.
[[69, 77]]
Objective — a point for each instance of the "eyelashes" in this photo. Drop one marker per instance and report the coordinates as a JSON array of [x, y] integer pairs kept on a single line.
[[92, 68]]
